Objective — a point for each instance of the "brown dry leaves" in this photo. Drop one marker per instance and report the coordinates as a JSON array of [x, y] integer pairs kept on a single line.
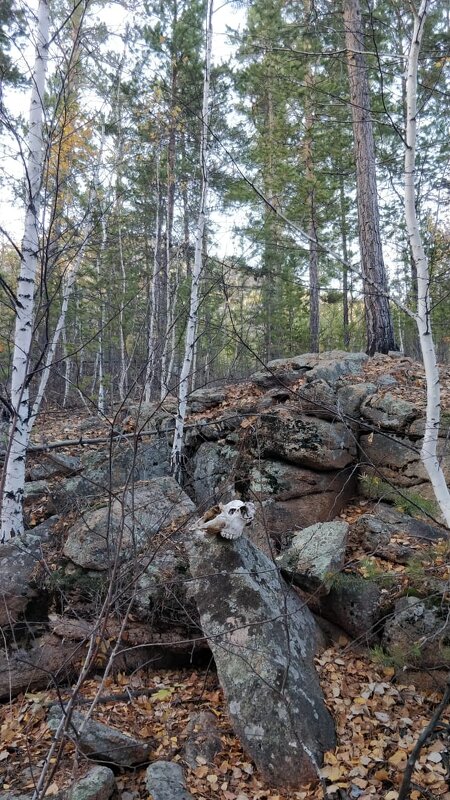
[[377, 725]]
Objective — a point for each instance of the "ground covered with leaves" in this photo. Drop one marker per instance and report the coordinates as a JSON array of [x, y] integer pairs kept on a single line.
[[378, 720]]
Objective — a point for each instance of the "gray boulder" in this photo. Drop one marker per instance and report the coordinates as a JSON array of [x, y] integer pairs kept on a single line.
[[202, 739], [98, 784], [294, 497], [350, 396], [51, 464], [214, 467], [306, 441], [20, 570], [418, 634], [389, 412], [263, 640], [130, 523], [105, 471], [315, 555], [101, 742], [353, 603], [165, 781]]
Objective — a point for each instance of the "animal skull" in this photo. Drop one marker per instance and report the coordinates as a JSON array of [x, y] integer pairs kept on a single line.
[[229, 520]]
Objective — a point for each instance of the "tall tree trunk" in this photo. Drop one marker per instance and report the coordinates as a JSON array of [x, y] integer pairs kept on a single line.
[[198, 260], [428, 453], [314, 310], [344, 240], [380, 332], [14, 470]]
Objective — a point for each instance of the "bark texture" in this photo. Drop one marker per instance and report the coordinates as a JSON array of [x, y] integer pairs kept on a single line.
[[380, 332]]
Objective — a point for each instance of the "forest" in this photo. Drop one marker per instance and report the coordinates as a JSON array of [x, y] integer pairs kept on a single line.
[[225, 289]]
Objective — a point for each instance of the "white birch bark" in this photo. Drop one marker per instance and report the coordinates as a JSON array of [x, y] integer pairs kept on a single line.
[[68, 286], [197, 267], [101, 397], [14, 477], [428, 452], [152, 320]]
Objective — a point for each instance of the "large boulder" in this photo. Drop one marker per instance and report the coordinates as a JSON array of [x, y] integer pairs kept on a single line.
[[306, 441], [107, 471], [129, 523], [101, 742], [391, 413], [295, 497], [214, 468], [315, 555], [263, 639], [19, 567]]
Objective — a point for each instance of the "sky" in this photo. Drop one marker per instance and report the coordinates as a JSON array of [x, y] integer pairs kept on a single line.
[[115, 17]]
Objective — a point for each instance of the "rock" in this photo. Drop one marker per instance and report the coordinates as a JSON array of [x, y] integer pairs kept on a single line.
[[294, 497], [102, 474], [34, 489], [315, 555], [20, 567], [386, 380], [47, 662], [214, 467], [353, 603], [350, 397], [101, 742], [389, 412], [98, 784], [318, 399], [336, 364], [204, 399], [150, 416], [263, 640], [153, 506], [375, 532], [418, 635], [203, 739], [165, 781], [306, 441], [267, 380], [51, 464], [396, 459], [161, 595]]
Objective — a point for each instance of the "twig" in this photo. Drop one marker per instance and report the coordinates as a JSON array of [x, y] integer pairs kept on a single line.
[[427, 731]]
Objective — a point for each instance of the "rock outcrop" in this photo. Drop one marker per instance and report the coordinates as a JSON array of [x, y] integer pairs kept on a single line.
[[263, 639]]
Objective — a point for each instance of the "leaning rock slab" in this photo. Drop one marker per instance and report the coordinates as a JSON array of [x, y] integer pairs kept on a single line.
[[263, 640], [101, 742], [165, 781], [315, 555]]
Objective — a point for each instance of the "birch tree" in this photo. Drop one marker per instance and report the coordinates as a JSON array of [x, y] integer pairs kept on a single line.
[[429, 452], [14, 470], [191, 327]]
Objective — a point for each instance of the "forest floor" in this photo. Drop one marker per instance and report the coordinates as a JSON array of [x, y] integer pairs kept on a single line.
[[379, 710]]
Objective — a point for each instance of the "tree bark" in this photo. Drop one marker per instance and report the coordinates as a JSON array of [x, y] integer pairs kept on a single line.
[[380, 332], [428, 452], [14, 471], [191, 328]]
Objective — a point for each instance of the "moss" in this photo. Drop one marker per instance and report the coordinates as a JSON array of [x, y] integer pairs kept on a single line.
[[404, 500]]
